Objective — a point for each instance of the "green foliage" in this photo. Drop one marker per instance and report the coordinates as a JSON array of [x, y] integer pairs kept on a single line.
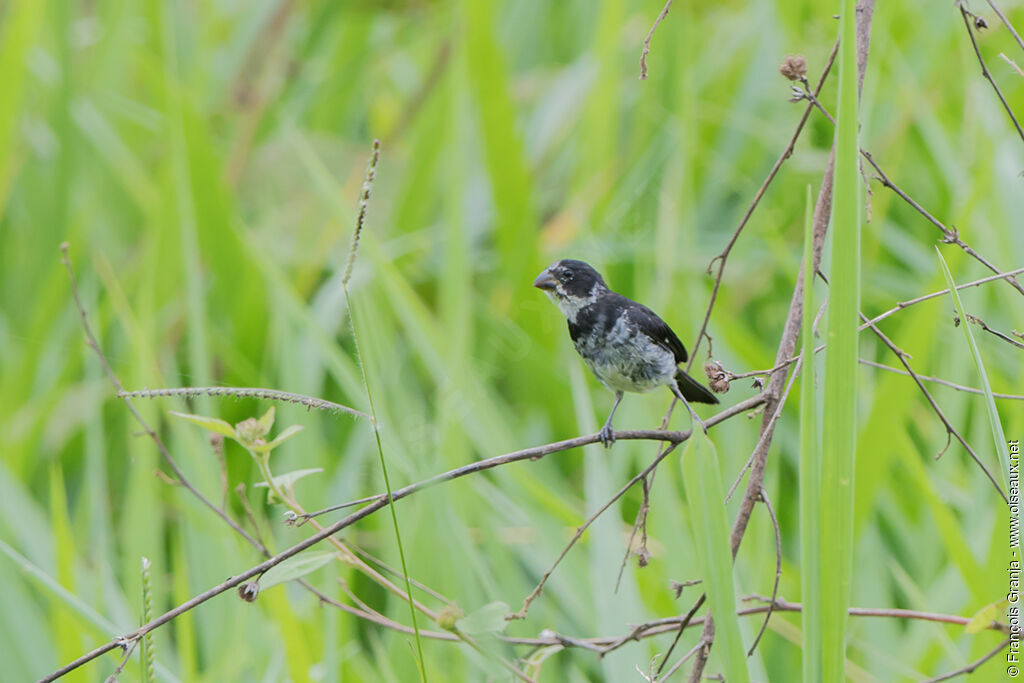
[[702, 481], [839, 414], [810, 468], [203, 160]]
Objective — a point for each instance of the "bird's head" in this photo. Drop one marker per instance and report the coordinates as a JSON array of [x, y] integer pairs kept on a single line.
[[572, 285]]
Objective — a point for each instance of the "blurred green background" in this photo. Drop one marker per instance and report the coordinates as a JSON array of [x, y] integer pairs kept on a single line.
[[203, 160]]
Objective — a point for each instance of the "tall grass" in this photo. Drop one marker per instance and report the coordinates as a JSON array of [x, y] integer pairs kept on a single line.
[[839, 425], [810, 469], [203, 161]]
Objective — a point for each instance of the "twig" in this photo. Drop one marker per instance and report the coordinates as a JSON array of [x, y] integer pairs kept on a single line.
[[580, 531], [766, 431], [778, 569], [682, 660], [786, 153], [380, 502], [538, 452], [309, 402], [182, 480], [535, 593], [1006, 23], [950, 235], [984, 69], [387, 569], [906, 304], [981, 323], [647, 41], [970, 668], [683, 625], [129, 648], [938, 380], [935, 406], [791, 330], [1013, 64], [639, 523]]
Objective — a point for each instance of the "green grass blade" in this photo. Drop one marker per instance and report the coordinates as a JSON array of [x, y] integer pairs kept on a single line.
[[1002, 448], [363, 199], [810, 472], [702, 482], [840, 408]]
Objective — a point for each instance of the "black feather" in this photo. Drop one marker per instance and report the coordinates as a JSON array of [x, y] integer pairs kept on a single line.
[[692, 390]]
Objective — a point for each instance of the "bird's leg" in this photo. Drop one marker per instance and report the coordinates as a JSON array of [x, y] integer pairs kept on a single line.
[[607, 435], [693, 414]]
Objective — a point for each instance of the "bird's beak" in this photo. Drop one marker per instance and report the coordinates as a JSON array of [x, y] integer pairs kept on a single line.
[[545, 281]]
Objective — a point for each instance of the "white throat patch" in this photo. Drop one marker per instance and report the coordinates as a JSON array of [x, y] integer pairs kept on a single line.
[[570, 306]]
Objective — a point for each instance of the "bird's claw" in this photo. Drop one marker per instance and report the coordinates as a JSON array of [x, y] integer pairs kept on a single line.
[[607, 436], [700, 422]]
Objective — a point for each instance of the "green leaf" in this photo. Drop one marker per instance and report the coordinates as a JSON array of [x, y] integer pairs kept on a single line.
[[1002, 450], [839, 410], [986, 615], [289, 478], [296, 567], [213, 424], [705, 493], [286, 434], [810, 470], [267, 421], [488, 619]]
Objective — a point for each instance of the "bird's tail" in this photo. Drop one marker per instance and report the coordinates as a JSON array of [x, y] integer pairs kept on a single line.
[[692, 390]]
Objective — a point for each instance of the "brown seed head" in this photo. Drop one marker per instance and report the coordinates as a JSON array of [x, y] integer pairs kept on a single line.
[[794, 67]]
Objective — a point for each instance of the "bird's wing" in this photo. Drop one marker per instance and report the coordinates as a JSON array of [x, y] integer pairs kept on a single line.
[[658, 330]]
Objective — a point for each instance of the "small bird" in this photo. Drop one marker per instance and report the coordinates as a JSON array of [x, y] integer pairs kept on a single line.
[[625, 344]]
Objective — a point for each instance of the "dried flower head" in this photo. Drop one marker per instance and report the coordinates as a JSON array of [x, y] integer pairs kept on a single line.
[[248, 591], [718, 378], [794, 67]]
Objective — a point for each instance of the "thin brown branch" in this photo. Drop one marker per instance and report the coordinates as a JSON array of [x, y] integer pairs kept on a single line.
[[968, 17], [906, 304], [996, 333], [682, 660], [939, 380], [778, 570], [1007, 24], [724, 254], [791, 331], [538, 452], [950, 235], [93, 344], [664, 436], [684, 623], [647, 41], [639, 524], [970, 668], [902, 356], [380, 502], [765, 432]]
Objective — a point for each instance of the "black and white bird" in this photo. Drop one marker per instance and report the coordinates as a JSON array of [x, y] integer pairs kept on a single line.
[[625, 344]]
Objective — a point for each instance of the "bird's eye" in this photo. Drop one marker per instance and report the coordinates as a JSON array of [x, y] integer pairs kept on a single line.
[[567, 275]]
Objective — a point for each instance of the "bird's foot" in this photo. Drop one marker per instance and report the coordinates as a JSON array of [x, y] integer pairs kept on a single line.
[[607, 436], [700, 422]]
